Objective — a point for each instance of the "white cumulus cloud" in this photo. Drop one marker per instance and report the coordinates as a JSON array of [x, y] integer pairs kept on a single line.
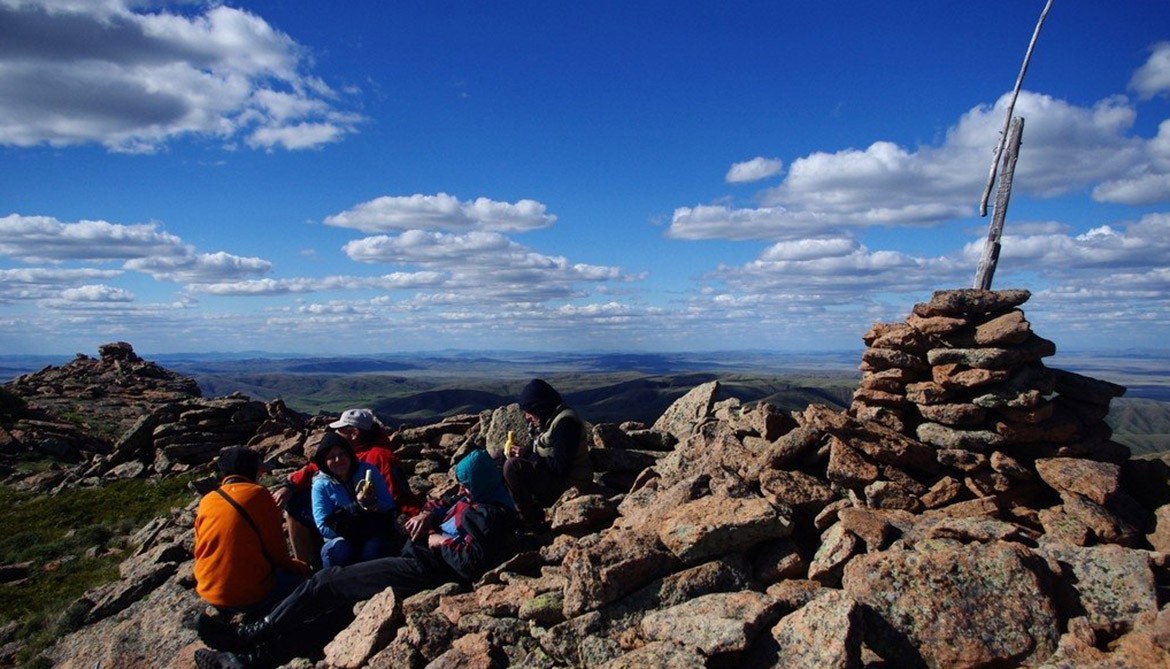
[[97, 293], [486, 264], [442, 212], [33, 238], [1067, 147], [199, 267], [1153, 77], [255, 287], [112, 74], [753, 170]]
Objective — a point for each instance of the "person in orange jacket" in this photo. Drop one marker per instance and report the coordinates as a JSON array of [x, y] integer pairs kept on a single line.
[[371, 444], [242, 563]]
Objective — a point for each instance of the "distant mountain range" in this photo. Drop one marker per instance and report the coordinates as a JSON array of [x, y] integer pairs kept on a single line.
[[419, 388]]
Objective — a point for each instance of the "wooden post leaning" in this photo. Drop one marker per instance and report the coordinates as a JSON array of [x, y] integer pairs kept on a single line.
[[990, 257]]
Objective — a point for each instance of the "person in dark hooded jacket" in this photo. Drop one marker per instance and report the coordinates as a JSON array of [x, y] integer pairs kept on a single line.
[[558, 458], [455, 539]]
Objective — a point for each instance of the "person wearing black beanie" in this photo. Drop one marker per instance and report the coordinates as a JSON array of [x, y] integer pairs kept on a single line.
[[558, 458]]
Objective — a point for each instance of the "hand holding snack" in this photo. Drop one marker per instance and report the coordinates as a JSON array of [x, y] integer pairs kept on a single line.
[[281, 495], [365, 490], [511, 448]]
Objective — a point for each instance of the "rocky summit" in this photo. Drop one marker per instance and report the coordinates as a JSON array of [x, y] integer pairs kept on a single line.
[[968, 510]]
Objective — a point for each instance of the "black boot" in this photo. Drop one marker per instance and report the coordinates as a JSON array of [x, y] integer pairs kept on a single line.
[[214, 659], [252, 633], [221, 635]]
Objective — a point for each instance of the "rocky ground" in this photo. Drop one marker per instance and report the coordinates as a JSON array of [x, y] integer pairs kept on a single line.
[[968, 510]]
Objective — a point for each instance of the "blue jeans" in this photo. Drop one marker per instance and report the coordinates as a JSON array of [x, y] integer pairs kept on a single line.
[[341, 552]]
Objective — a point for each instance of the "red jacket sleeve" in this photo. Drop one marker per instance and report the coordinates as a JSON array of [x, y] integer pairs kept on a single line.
[[302, 479], [384, 459]]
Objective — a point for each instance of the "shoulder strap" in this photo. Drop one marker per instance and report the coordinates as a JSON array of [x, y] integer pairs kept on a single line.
[[251, 523]]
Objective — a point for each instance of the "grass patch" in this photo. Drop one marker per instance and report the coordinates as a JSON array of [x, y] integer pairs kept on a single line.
[[73, 541], [28, 464], [92, 424]]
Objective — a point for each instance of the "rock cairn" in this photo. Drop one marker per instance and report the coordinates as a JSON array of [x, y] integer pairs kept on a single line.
[[79, 409], [899, 533], [965, 371], [120, 416]]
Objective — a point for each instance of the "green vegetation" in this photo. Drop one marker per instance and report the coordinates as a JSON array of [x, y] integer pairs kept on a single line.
[[27, 464], [1141, 424], [73, 542], [92, 424]]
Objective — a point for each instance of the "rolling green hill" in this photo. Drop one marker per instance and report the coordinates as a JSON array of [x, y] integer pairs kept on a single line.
[[1141, 424], [599, 396]]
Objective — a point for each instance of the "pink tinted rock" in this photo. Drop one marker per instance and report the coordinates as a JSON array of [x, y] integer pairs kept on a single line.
[[372, 629], [1009, 328], [618, 564], [1098, 481], [717, 624], [966, 606], [716, 525], [826, 633]]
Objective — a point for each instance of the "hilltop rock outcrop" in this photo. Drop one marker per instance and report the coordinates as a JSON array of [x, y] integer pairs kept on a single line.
[[78, 410], [968, 510], [122, 417]]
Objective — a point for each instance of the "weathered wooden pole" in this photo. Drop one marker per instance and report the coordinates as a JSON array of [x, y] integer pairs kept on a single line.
[[1011, 107], [990, 257]]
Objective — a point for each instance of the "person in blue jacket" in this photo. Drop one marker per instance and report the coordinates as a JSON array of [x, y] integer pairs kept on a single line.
[[352, 506], [455, 539]]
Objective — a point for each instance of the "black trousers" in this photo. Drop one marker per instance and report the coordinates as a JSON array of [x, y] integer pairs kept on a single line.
[[322, 606], [534, 487]]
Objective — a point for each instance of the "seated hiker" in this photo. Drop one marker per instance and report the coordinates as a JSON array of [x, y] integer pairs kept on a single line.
[[242, 563], [352, 506], [455, 539], [371, 444], [558, 458]]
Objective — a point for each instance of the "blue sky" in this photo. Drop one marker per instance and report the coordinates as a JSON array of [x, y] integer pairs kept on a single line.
[[637, 176]]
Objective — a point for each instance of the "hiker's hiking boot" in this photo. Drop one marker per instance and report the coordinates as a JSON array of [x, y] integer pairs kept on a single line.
[[216, 659], [225, 636]]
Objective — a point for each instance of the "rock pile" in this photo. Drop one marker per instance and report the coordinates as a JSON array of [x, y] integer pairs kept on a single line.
[[122, 417], [903, 532], [965, 371], [79, 409]]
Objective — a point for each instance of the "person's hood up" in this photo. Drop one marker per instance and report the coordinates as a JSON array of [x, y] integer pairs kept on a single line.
[[540, 399], [326, 444], [481, 476]]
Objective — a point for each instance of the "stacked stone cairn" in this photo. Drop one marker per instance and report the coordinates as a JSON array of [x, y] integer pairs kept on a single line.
[[967, 510], [965, 371]]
